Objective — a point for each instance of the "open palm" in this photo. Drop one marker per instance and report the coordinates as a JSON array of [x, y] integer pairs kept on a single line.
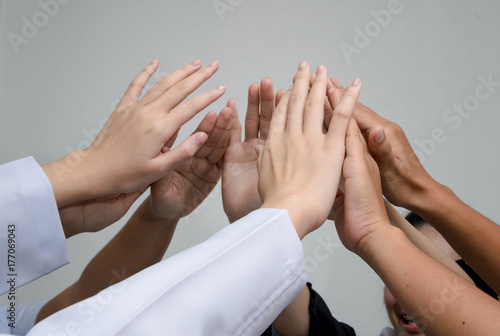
[[186, 187], [239, 173]]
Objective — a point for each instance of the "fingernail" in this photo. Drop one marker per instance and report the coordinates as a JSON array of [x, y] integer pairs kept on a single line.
[[154, 61], [214, 64], [336, 80], [200, 139], [302, 65], [379, 136], [320, 69], [196, 63], [291, 87], [356, 82], [221, 87]]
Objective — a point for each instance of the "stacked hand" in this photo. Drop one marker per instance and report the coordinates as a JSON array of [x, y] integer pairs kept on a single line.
[[186, 187], [301, 165], [404, 179], [95, 187], [240, 175]]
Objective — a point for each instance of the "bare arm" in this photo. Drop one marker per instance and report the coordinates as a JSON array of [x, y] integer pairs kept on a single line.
[[143, 241], [443, 302], [406, 183]]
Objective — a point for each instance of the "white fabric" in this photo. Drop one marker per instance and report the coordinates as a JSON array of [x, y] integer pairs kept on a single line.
[[27, 204], [25, 318], [235, 283]]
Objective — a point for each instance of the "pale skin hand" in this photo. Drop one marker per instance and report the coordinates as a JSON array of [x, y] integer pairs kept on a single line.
[[132, 149], [364, 228], [149, 231], [300, 164], [239, 173]]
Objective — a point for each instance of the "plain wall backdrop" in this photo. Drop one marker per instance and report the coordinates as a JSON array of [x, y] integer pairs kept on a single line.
[[59, 81]]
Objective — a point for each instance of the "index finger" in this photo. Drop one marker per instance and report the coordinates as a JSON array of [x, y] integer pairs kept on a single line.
[[177, 93], [343, 111], [137, 85]]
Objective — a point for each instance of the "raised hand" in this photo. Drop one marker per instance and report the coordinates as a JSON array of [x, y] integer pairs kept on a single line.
[[405, 182], [130, 152], [301, 165], [184, 188], [359, 209], [239, 173]]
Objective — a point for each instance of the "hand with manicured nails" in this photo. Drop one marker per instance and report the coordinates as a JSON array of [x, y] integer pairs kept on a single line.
[[133, 148], [239, 174], [404, 179], [186, 187], [359, 209], [301, 165]]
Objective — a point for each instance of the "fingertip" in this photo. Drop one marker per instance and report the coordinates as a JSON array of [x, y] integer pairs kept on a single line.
[[321, 70], [266, 81], [377, 134], [226, 114], [211, 115], [155, 62], [253, 91], [200, 138], [303, 66]]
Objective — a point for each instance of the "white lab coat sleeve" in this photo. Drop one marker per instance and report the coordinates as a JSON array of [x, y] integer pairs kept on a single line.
[[235, 283], [32, 241]]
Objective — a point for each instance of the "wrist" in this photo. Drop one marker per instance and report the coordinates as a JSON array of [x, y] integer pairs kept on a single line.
[[371, 244], [69, 181], [297, 210], [435, 198], [149, 216]]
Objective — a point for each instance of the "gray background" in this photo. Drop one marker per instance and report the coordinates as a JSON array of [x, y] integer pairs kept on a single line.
[[67, 78]]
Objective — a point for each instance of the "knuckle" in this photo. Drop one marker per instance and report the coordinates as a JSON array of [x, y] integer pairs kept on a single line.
[[341, 114]]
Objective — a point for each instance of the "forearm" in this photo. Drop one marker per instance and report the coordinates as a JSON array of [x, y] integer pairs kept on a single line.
[[439, 301], [141, 243], [423, 243], [475, 238], [295, 318]]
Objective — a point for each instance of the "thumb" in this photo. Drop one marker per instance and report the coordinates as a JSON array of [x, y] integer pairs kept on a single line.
[[183, 152], [380, 146]]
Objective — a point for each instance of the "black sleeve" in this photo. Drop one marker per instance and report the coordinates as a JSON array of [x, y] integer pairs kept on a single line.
[[478, 281], [322, 321]]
